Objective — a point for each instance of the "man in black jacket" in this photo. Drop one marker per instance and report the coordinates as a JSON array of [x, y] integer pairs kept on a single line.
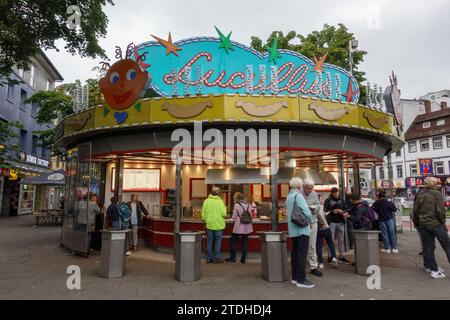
[[358, 213], [336, 206]]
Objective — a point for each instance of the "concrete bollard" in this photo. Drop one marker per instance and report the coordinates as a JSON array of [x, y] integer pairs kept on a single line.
[[188, 256], [274, 256], [113, 255], [367, 251]]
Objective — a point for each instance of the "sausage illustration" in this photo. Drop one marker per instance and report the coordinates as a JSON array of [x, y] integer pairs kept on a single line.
[[261, 111], [184, 112], [329, 114], [375, 122], [78, 123]]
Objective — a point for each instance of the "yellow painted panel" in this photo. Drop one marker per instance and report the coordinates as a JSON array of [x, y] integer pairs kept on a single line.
[[372, 119], [136, 114], [173, 110], [314, 110], [79, 122], [260, 108]]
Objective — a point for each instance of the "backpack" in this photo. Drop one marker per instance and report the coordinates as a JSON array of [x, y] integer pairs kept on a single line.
[[124, 211], [369, 215], [246, 217]]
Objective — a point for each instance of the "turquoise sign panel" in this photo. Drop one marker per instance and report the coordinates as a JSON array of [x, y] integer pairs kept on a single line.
[[201, 66]]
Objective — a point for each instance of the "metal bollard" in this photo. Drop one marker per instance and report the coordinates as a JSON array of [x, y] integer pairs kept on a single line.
[[274, 256], [367, 251], [113, 258], [188, 256]]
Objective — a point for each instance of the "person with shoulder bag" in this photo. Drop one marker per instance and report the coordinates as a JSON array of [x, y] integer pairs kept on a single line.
[[242, 226], [299, 220]]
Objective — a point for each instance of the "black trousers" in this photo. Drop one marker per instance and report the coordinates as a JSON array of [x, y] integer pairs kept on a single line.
[[299, 254], [428, 238]]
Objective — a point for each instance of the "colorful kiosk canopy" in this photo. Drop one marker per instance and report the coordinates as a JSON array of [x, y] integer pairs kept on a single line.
[[221, 85]]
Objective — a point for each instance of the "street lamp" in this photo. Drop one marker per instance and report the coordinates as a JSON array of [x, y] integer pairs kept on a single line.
[[352, 45]]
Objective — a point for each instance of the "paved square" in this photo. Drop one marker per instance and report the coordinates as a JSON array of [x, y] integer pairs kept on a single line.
[[33, 266]]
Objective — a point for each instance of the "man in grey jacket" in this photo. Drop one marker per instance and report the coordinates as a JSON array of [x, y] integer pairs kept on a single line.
[[312, 201]]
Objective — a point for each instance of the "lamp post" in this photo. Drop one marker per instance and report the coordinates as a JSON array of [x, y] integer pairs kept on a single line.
[[352, 45]]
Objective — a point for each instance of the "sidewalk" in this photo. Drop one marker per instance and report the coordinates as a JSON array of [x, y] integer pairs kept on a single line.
[[33, 266]]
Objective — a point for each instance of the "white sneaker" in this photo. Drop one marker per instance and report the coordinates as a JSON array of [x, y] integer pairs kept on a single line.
[[293, 281], [128, 253], [428, 270], [385, 250], [395, 251], [437, 275], [320, 265], [335, 262], [305, 284]]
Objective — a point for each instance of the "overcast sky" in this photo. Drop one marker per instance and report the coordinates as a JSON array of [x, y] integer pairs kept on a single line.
[[411, 37]]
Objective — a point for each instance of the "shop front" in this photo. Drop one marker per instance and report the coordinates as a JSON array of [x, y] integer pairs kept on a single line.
[[171, 150]]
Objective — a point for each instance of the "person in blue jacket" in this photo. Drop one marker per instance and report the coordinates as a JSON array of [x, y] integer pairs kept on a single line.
[[299, 236]]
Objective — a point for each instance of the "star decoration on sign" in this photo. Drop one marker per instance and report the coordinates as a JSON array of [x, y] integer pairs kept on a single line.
[[350, 93], [225, 42], [273, 50], [168, 44], [319, 62]]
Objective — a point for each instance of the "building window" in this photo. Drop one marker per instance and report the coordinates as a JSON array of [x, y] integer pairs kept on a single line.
[[399, 171], [10, 92], [437, 143], [413, 170], [21, 73], [23, 139], [35, 148], [426, 124], [439, 167], [412, 146], [381, 173], [440, 122], [32, 75], [47, 86], [398, 153], [23, 98], [424, 144]]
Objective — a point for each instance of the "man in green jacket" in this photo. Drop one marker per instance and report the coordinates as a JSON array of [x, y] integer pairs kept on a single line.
[[429, 214], [214, 213]]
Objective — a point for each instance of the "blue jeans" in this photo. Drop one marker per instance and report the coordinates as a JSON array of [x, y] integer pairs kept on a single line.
[[321, 235], [216, 236], [234, 238], [388, 232]]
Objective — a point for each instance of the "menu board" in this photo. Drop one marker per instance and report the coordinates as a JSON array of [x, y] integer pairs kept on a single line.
[[139, 179]]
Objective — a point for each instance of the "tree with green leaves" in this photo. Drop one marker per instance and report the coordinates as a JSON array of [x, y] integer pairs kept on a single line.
[[8, 134], [52, 105], [26, 26], [332, 40]]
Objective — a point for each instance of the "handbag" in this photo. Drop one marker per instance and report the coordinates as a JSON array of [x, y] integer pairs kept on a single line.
[[298, 217]]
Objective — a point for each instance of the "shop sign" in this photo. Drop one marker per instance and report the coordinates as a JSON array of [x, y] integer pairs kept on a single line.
[[207, 65], [13, 175], [55, 177], [34, 160], [425, 167], [4, 172]]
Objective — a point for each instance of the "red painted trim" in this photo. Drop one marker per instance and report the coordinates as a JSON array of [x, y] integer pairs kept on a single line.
[[343, 152]]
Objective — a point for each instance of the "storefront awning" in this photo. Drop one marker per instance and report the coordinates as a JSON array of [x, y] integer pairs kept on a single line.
[[53, 178], [236, 176], [254, 176], [28, 167]]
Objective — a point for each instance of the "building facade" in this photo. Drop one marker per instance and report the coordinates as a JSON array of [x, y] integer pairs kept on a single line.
[[17, 198]]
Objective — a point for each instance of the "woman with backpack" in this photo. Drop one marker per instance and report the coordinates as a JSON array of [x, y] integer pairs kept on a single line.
[[242, 226], [386, 211]]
